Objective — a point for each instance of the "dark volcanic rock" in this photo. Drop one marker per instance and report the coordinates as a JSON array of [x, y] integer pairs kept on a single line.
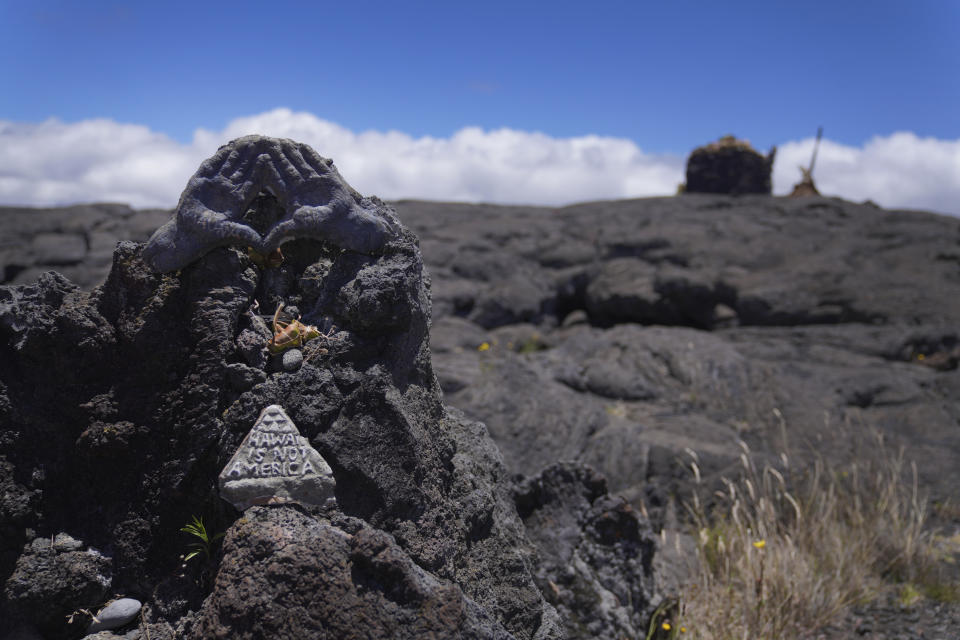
[[142, 381], [50, 576], [615, 334], [594, 555], [336, 582], [121, 406], [691, 319], [729, 166], [77, 241]]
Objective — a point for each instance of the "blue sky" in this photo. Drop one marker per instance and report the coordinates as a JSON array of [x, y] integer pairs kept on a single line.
[[663, 77]]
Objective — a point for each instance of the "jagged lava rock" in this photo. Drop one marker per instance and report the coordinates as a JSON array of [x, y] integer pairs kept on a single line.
[[120, 406], [77, 241], [662, 324], [49, 577], [840, 316], [326, 580], [589, 545]]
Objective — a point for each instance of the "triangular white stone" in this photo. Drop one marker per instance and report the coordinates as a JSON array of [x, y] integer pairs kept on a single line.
[[276, 464]]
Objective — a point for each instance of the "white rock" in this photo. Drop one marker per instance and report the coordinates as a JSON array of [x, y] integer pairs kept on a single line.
[[274, 463], [292, 359]]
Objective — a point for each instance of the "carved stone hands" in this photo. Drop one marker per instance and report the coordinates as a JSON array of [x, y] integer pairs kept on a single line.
[[316, 201]]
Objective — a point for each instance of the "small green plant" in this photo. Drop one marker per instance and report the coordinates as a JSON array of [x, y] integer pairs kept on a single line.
[[909, 595], [205, 545], [533, 343]]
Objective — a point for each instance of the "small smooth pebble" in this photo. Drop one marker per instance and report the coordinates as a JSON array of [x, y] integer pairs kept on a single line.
[[116, 614], [292, 359]]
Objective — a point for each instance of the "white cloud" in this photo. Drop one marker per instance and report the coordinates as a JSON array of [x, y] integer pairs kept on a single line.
[[101, 160], [503, 165], [97, 160]]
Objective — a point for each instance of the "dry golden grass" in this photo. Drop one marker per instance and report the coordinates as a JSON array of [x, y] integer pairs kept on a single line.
[[782, 553]]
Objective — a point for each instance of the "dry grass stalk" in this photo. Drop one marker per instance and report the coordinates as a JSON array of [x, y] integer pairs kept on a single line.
[[781, 553]]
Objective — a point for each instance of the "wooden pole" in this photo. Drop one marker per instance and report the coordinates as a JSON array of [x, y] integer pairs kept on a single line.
[[816, 145]]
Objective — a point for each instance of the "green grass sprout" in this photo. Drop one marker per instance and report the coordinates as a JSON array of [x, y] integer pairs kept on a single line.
[[204, 545]]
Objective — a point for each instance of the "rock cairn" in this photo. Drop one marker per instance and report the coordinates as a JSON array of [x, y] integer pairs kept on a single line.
[[120, 407], [729, 166]]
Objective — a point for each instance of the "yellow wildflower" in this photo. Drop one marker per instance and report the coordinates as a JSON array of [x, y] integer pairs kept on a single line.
[[760, 544], [484, 347], [666, 626]]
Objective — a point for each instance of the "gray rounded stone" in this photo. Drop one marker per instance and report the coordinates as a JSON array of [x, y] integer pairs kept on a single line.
[[115, 615], [292, 359]]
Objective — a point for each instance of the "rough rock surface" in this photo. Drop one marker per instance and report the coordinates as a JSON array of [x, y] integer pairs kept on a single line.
[[729, 166], [76, 241], [49, 576], [619, 333], [342, 579], [594, 555], [120, 406], [648, 326]]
